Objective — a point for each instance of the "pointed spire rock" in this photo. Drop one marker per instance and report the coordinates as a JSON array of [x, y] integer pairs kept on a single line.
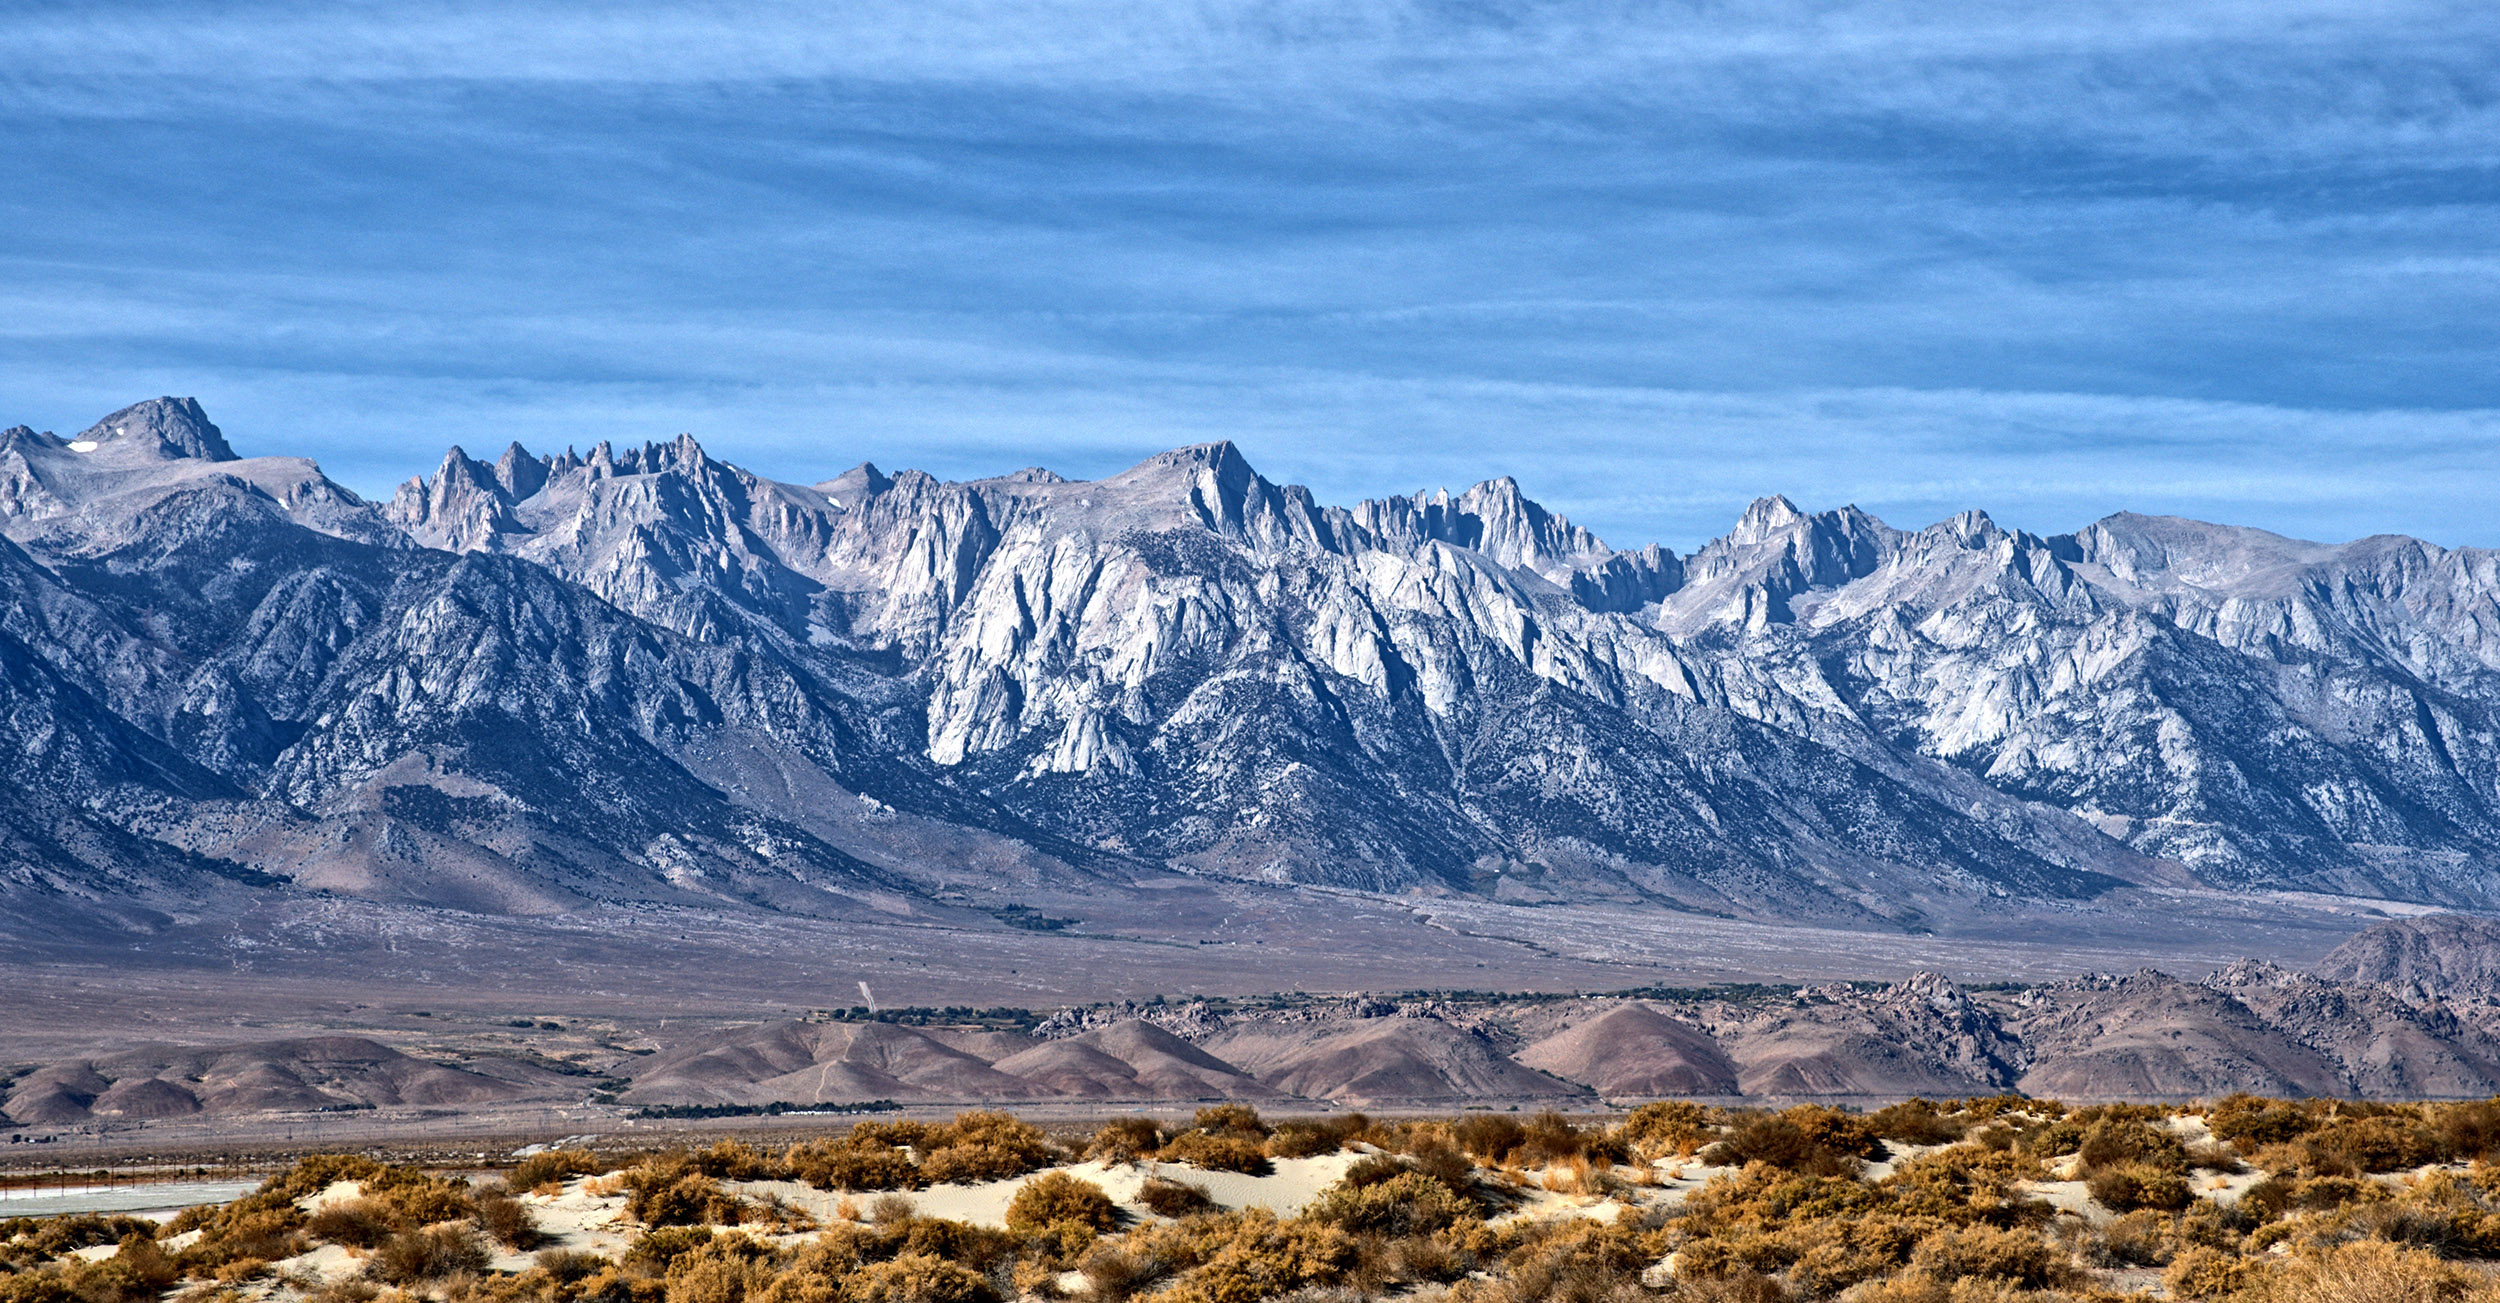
[[520, 474]]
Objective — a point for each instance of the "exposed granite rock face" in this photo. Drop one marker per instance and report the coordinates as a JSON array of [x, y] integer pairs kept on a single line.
[[2384, 1047], [2441, 957], [2149, 1035], [1925, 1036], [647, 673]]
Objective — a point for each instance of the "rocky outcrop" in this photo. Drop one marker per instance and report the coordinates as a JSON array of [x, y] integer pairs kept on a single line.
[[1925, 1036], [2382, 1046], [2151, 1036], [2441, 957]]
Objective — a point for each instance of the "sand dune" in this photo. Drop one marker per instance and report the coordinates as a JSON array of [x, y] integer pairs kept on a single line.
[[1634, 1050]]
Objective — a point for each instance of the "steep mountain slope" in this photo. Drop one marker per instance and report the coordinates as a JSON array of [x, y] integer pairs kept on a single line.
[[2264, 712], [649, 675], [1187, 664]]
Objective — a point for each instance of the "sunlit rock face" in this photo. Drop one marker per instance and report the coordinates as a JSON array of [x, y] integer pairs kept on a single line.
[[646, 672]]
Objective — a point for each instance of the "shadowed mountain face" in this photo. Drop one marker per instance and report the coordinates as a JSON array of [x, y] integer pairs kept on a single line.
[[649, 675]]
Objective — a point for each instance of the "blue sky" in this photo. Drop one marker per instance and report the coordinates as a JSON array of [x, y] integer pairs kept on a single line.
[[2238, 261]]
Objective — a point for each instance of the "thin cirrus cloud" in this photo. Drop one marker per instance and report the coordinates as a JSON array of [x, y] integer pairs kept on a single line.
[[2232, 260]]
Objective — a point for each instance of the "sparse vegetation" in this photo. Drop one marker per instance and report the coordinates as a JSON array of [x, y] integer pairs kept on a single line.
[[2336, 1201], [1168, 1198]]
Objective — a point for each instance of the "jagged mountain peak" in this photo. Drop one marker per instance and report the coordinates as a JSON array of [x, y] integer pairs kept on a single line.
[[160, 429], [1973, 528], [1499, 521], [520, 474], [1188, 664], [1764, 517], [124, 480], [863, 480], [1221, 456]]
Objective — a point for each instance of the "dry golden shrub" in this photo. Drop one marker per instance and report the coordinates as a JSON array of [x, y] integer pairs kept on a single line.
[[1809, 1139], [917, 1278], [554, 1166], [428, 1253], [984, 1146], [1968, 1183], [2138, 1239], [733, 1160], [1169, 1198], [2126, 1187], [2016, 1257], [1220, 1153], [1057, 1198], [2358, 1145], [1125, 1140], [1231, 1120], [2248, 1124], [356, 1223], [1917, 1122], [2126, 1141], [1309, 1138], [1410, 1203], [856, 1162], [668, 1192], [508, 1222], [2366, 1272], [1242, 1256]]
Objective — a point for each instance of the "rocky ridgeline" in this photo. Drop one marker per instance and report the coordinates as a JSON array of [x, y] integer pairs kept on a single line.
[[2251, 1028], [644, 674]]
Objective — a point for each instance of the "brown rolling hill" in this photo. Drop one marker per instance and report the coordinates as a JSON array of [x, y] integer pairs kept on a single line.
[[1634, 1050], [2384, 1047], [2442, 956], [1377, 1060], [316, 1072], [986, 1045], [1815, 1056], [2151, 1036], [1133, 1060], [1924, 1036], [821, 1063]]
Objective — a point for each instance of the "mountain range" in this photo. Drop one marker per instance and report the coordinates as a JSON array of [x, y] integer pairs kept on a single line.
[[647, 675]]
